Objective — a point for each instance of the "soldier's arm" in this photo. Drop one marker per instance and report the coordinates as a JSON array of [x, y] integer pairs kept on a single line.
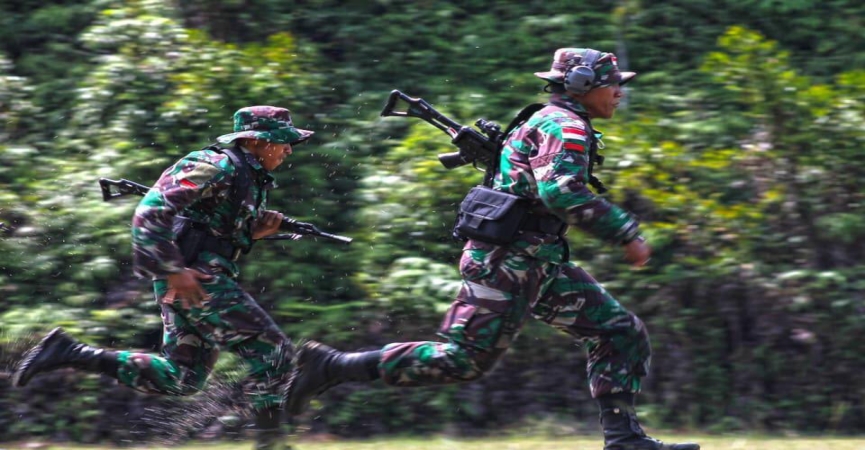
[[561, 171], [154, 250]]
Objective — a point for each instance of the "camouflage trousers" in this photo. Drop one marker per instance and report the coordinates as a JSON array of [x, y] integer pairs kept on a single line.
[[501, 289], [230, 320]]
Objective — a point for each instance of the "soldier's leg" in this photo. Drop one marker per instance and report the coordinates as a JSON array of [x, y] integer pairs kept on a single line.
[[233, 320], [58, 350], [618, 351], [183, 366], [181, 369], [481, 324], [616, 340], [487, 315]]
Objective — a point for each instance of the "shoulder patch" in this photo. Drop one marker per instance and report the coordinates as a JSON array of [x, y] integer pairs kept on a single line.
[[194, 175]]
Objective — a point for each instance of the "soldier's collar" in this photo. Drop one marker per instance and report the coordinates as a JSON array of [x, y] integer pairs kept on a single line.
[[251, 159], [268, 180], [565, 101]]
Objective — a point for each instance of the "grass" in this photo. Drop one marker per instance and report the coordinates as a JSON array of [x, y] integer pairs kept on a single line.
[[744, 442]]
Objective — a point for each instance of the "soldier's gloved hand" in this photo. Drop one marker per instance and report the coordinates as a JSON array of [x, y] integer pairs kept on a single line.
[[637, 252], [267, 224], [186, 286]]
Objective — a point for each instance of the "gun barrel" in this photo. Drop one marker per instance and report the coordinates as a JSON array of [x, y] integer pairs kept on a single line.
[[336, 237], [308, 229]]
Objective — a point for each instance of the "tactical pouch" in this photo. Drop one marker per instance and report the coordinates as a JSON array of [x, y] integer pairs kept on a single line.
[[190, 237], [489, 215]]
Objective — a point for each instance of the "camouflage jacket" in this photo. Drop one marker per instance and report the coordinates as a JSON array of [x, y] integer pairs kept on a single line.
[[198, 186], [547, 160]]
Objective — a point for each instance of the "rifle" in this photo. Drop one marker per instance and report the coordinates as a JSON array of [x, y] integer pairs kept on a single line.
[[474, 147], [294, 228]]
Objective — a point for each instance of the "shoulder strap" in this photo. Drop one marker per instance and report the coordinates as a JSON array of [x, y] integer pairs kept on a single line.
[[594, 158], [242, 179], [518, 120], [523, 116]]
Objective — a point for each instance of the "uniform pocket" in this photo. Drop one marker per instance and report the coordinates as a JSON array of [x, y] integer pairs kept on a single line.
[[471, 325]]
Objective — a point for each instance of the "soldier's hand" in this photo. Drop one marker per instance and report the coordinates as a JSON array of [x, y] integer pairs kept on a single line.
[[185, 285], [267, 224], [637, 252]]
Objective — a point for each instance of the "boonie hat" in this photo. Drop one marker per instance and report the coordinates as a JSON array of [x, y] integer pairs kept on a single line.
[[606, 68], [270, 123]]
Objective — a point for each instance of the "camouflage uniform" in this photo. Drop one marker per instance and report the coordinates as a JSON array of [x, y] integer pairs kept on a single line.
[[545, 160], [199, 186]]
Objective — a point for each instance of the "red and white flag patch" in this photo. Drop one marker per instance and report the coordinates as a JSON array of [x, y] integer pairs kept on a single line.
[[573, 133], [570, 135]]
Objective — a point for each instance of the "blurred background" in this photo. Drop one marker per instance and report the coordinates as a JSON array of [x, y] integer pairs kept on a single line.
[[739, 147]]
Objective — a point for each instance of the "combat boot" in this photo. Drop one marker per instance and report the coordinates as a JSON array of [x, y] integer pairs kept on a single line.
[[622, 431], [268, 433], [58, 350], [318, 368]]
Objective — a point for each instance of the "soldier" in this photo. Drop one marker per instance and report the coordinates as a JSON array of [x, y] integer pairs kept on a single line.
[[222, 192], [546, 160]]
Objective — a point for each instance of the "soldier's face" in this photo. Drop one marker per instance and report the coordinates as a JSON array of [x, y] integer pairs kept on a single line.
[[269, 154], [602, 102]]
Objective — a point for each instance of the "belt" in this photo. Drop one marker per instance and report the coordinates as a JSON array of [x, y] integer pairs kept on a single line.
[[547, 224]]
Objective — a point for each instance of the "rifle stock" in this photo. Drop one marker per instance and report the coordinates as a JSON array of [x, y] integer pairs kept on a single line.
[[124, 188], [474, 147]]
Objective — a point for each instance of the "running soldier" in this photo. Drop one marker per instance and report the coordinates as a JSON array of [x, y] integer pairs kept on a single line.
[[188, 233], [547, 160]]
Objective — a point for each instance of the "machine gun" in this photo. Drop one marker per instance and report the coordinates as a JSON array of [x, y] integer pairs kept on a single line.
[[478, 148], [294, 228]]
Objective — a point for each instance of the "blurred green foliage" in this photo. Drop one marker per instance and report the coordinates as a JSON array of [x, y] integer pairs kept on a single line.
[[740, 149]]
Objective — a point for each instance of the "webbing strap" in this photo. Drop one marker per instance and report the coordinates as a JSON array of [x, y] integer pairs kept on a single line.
[[518, 120], [242, 179]]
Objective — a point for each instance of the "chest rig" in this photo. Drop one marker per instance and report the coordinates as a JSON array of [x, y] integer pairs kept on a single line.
[[194, 237], [497, 217]]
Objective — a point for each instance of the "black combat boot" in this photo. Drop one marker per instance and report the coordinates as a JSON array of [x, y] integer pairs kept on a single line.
[[268, 433], [623, 432], [318, 368], [58, 350]]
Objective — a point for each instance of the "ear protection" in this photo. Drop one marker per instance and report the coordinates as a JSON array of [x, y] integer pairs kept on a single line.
[[579, 78]]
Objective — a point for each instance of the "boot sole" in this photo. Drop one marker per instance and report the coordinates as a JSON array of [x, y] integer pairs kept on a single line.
[[18, 377]]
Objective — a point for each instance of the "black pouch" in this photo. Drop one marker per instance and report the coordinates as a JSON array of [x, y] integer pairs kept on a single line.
[[190, 236], [489, 215]]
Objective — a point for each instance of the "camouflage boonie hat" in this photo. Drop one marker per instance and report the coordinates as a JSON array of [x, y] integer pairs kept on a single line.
[[606, 68], [269, 123]]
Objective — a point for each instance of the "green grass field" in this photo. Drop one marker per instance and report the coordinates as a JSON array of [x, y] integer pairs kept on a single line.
[[439, 443]]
